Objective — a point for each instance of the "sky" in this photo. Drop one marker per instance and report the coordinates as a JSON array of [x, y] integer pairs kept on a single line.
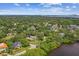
[[39, 9]]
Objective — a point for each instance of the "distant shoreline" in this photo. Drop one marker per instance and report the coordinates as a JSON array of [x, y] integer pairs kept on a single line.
[[57, 16], [65, 16]]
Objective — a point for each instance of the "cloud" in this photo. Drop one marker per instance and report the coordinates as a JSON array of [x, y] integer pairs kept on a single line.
[[27, 5], [67, 8], [57, 3], [55, 11], [49, 4], [46, 5], [40, 11], [16, 4], [4, 12], [50, 11], [74, 6]]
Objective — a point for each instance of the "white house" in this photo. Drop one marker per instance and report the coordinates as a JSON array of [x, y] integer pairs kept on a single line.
[[32, 37], [32, 46], [61, 26], [62, 34], [73, 27], [9, 34], [55, 27]]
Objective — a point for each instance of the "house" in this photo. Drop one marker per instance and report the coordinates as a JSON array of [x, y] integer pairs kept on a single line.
[[20, 53], [55, 27], [45, 24], [32, 28], [9, 34], [3, 47], [31, 37], [73, 27], [62, 34], [17, 45], [33, 46], [49, 25], [60, 26]]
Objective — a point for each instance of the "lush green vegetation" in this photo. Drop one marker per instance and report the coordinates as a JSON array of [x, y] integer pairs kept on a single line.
[[45, 33]]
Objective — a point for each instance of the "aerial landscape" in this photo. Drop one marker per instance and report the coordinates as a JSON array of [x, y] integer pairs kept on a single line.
[[39, 29]]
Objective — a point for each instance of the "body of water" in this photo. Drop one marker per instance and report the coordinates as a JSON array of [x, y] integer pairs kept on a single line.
[[66, 50]]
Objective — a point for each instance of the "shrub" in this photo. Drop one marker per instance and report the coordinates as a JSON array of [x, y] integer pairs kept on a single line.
[[35, 52], [67, 41]]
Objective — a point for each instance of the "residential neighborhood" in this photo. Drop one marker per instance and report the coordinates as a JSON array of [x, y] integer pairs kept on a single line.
[[35, 36]]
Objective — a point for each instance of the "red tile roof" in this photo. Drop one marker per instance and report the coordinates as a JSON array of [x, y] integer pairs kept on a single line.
[[3, 45]]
